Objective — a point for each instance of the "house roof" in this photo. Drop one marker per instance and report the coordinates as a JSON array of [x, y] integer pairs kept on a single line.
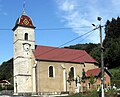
[[94, 72], [48, 53]]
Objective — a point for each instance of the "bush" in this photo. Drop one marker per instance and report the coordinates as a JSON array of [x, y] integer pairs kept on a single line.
[[0, 87], [10, 87]]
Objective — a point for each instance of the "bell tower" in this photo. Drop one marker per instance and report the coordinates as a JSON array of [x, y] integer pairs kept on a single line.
[[24, 44]]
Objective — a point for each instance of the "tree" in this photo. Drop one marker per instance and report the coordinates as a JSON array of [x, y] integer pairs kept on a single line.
[[96, 53], [84, 80], [112, 43], [70, 79], [6, 71], [83, 76], [92, 81]]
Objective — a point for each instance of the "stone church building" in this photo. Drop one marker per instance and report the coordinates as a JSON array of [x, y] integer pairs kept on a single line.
[[44, 69]]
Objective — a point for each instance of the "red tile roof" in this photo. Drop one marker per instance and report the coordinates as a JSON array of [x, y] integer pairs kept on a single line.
[[94, 72], [62, 55]]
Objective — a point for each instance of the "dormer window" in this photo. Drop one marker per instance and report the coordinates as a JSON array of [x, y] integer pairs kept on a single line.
[[26, 36]]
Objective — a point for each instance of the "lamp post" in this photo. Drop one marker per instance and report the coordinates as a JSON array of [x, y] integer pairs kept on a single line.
[[102, 61]]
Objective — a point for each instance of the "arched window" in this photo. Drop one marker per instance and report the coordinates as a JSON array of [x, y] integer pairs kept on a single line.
[[51, 71], [26, 36], [72, 72]]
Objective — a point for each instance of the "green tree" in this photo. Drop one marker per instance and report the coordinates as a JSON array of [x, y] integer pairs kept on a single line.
[[92, 81], [0, 87], [96, 53], [70, 77], [6, 71], [112, 43], [83, 76], [84, 80]]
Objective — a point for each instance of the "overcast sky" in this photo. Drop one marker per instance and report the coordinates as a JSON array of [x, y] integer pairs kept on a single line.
[[78, 15]]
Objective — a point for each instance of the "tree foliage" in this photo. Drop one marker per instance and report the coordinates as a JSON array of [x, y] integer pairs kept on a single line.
[[115, 77], [112, 43], [83, 76], [87, 47], [6, 71], [92, 79], [70, 77]]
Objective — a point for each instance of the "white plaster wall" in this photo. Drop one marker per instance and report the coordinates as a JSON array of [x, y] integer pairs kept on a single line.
[[23, 60]]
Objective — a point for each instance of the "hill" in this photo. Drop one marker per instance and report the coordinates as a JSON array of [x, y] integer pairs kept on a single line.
[[6, 71]]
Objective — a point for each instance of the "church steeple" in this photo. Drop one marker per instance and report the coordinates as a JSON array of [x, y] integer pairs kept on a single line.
[[24, 44]]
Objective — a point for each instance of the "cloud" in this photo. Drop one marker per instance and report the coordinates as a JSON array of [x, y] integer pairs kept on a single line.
[[82, 13]]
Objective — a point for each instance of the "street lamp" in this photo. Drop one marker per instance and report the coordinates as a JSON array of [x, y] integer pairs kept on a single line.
[[102, 61]]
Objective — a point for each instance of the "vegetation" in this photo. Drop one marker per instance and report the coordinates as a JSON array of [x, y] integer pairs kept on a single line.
[[70, 77], [92, 81], [112, 43], [6, 71], [111, 93], [115, 77]]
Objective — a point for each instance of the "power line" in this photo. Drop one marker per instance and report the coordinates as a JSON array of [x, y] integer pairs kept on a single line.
[[66, 42], [63, 28], [59, 28], [66, 51]]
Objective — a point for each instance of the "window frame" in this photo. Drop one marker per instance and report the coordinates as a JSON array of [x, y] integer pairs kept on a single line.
[[26, 36], [53, 72], [73, 71]]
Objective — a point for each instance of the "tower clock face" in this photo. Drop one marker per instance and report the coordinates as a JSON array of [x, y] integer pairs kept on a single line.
[[26, 46]]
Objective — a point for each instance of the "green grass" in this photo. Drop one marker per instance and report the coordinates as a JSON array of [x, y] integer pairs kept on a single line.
[[111, 93], [92, 94]]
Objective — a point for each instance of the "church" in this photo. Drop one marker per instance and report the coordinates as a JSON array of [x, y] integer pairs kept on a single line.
[[43, 69]]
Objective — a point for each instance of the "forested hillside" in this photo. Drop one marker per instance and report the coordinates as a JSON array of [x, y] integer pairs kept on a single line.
[[6, 71]]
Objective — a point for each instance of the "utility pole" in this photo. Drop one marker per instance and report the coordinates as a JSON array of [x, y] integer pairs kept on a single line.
[[102, 61]]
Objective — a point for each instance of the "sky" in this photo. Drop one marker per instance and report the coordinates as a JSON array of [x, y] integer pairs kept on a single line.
[[56, 21]]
